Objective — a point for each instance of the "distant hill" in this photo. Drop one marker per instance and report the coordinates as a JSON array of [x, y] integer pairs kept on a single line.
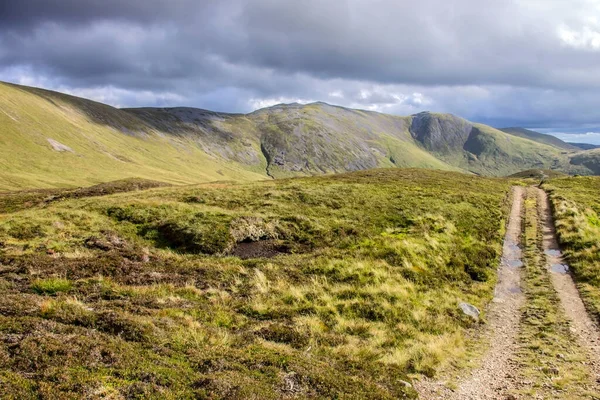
[[537, 174], [589, 159], [541, 138], [49, 139], [585, 146]]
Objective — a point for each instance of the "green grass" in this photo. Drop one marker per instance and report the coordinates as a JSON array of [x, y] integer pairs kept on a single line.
[[362, 294], [576, 208], [51, 286], [20, 200], [537, 174]]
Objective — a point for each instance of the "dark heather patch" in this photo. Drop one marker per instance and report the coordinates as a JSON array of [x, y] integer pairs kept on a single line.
[[260, 249]]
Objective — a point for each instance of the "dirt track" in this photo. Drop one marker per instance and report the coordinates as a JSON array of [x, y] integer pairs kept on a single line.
[[497, 374], [582, 326]]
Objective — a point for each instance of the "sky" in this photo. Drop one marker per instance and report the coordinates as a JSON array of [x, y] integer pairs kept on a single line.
[[530, 63]]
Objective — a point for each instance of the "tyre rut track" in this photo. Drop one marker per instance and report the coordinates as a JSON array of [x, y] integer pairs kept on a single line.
[[498, 374], [583, 327]]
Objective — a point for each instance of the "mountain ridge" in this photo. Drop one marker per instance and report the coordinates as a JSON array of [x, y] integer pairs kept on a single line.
[[187, 145], [541, 137]]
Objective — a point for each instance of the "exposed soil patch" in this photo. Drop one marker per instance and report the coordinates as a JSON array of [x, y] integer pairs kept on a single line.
[[584, 329], [494, 378], [259, 249]]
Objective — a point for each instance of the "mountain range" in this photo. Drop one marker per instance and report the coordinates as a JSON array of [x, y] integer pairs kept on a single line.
[[50, 139]]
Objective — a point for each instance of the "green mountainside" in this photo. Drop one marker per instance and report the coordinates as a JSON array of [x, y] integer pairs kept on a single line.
[[49, 139], [541, 138], [589, 159]]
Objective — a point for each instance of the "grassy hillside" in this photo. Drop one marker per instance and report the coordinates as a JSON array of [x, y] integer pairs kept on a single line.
[[332, 287], [589, 159], [52, 140], [301, 139], [498, 154], [48, 139], [484, 150], [541, 138]]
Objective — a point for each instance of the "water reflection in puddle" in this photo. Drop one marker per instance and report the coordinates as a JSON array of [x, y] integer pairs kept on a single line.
[[514, 263], [559, 268], [553, 253], [514, 247]]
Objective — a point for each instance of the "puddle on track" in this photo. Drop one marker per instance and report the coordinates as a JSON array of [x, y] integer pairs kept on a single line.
[[553, 253], [514, 247], [514, 263], [514, 254], [559, 268]]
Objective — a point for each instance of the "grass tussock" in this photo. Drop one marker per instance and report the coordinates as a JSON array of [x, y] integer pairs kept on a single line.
[[153, 300], [51, 286]]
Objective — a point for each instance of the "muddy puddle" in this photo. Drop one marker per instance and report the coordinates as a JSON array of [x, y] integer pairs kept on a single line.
[[553, 253], [559, 268]]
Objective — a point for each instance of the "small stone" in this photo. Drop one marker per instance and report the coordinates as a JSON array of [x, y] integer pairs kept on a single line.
[[407, 384], [57, 146], [470, 310]]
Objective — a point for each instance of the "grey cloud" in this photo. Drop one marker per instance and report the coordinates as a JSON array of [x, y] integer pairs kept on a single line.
[[24, 14], [498, 62]]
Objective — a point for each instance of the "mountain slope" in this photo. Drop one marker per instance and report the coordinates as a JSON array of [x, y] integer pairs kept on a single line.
[[49, 139], [320, 138], [484, 150], [300, 139], [589, 159], [541, 138]]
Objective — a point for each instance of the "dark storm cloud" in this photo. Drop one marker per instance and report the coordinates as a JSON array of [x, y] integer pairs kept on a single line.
[[23, 14], [525, 62]]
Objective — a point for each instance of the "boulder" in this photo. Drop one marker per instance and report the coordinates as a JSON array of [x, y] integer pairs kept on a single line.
[[470, 310]]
